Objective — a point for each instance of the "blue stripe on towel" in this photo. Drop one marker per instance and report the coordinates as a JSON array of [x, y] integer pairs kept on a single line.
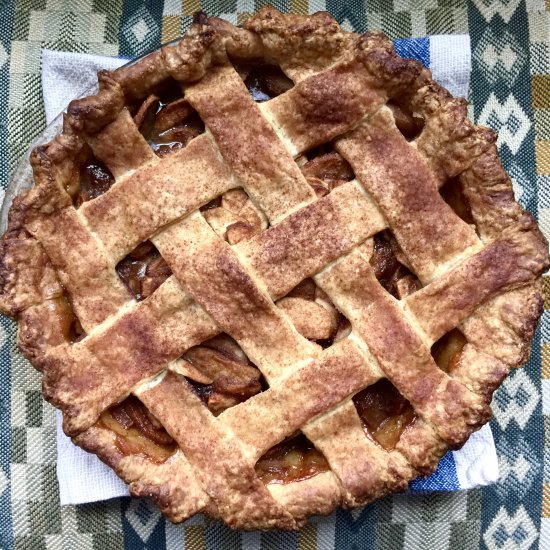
[[415, 48], [443, 479]]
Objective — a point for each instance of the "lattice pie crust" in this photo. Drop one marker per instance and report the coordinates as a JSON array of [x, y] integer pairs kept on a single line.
[[310, 230]]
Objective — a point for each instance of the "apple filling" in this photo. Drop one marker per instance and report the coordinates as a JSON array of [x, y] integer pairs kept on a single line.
[[324, 170], [95, 179], [220, 373], [234, 217], [385, 413], [143, 270], [168, 123], [137, 431], [294, 459], [448, 350], [264, 82], [314, 315], [390, 266]]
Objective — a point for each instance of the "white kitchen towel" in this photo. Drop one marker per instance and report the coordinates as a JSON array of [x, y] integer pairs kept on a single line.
[[82, 476]]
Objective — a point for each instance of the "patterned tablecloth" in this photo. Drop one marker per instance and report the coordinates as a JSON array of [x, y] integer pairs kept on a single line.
[[510, 92]]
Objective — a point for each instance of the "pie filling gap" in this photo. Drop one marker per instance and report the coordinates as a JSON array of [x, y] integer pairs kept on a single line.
[[447, 351], [453, 195], [220, 373], [313, 314], [143, 270], [389, 266], [234, 216], [137, 432], [384, 412], [324, 169], [264, 81], [94, 180], [407, 122], [168, 122], [294, 459]]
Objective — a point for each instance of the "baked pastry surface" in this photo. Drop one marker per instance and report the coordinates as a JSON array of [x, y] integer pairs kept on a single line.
[[264, 309]]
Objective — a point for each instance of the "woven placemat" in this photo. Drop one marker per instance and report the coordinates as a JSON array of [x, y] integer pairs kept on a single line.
[[510, 91]]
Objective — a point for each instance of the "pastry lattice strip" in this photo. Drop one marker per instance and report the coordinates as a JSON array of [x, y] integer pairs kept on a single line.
[[195, 253]]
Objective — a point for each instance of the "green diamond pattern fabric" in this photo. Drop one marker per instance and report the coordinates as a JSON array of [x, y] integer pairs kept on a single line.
[[510, 91]]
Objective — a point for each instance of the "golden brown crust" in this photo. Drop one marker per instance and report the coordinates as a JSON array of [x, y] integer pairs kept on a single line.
[[90, 114], [504, 326], [43, 326], [301, 45], [514, 259], [450, 407], [192, 56], [171, 484], [137, 80], [484, 281], [317, 495], [228, 476], [95, 289], [26, 275], [248, 143], [421, 446], [491, 197], [408, 198]]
